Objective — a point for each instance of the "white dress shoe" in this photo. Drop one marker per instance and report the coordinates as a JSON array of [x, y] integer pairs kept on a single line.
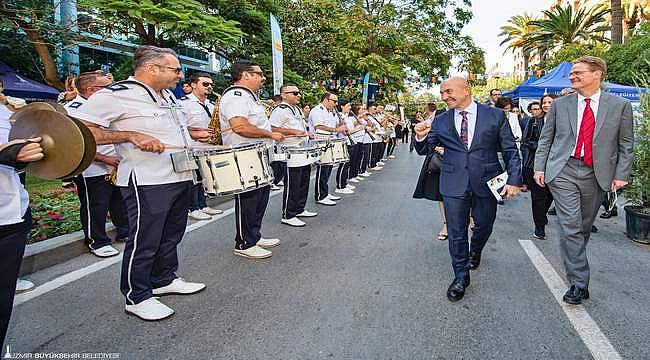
[[333, 197], [391, 156], [254, 252], [180, 287], [105, 251], [354, 180], [381, 163], [268, 243], [351, 187], [211, 211], [294, 221], [199, 215], [150, 310], [344, 191], [326, 201], [376, 168], [359, 178], [23, 285], [366, 174], [306, 213]]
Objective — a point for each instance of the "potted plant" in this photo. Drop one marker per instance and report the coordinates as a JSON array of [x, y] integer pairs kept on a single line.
[[637, 214]]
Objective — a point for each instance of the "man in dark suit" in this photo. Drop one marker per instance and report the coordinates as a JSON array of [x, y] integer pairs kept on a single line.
[[586, 148], [471, 135]]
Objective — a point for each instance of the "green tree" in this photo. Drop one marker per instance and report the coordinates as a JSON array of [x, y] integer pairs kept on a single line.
[[562, 26], [627, 62], [571, 52], [517, 33]]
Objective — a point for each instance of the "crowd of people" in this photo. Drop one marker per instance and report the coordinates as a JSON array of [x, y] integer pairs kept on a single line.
[[136, 123]]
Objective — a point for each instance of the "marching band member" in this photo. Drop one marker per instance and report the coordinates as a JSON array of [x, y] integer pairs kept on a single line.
[[343, 171], [198, 110], [287, 119], [366, 148], [376, 145], [142, 117], [357, 127], [97, 194], [323, 121], [242, 111], [392, 142], [381, 117]]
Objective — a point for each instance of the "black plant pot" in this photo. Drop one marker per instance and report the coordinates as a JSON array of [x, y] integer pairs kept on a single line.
[[637, 224]]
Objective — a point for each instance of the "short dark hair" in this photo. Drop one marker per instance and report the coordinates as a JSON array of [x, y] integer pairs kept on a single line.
[[356, 108], [532, 104], [502, 102], [276, 98], [239, 66], [327, 95], [552, 96], [146, 54], [86, 80], [285, 86], [493, 90], [194, 78]]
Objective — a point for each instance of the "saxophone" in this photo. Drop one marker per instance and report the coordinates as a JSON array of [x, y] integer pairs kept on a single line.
[[215, 125]]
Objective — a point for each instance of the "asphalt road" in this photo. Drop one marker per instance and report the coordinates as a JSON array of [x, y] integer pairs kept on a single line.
[[363, 280]]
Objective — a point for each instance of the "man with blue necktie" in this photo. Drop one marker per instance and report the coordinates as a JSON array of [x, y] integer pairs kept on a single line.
[[471, 135]]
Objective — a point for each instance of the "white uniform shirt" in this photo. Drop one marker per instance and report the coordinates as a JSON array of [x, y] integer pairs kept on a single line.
[[374, 121], [352, 122], [197, 114], [14, 199], [286, 116], [319, 115], [243, 103], [96, 168], [593, 104], [129, 107], [471, 121]]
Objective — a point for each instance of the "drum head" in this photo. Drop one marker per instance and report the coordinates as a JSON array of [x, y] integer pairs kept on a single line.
[[63, 142]]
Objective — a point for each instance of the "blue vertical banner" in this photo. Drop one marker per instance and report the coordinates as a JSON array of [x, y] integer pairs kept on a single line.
[[366, 80], [276, 40]]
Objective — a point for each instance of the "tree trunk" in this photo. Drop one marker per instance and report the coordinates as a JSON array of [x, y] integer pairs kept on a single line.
[[526, 55], [617, 22], [51, 75]]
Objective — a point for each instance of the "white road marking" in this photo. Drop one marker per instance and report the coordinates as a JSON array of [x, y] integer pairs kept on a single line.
[[85, 271], [587, 329]]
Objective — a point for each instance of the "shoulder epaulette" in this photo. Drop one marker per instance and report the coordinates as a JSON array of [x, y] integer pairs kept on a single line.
[[183, 98], [237, 93], [117, 87], [75, 105], [283, 106]]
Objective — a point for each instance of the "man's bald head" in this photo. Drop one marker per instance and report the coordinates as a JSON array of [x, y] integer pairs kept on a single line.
[[456, 93]]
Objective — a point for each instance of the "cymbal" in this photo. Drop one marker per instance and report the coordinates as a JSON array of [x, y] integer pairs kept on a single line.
[[90, 149], [63, 141], [31, 107]]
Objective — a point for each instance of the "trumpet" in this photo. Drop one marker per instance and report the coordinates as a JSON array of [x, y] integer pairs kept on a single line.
[[215, 125]]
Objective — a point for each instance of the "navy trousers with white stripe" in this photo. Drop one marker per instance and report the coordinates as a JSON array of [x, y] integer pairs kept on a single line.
[[249, 213], [97, 197], [321, 189], [296, 190], [157, 221]]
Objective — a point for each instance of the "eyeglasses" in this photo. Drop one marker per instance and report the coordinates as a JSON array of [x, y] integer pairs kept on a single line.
[[260, 73], [578, 72], [295, 93], [334, 100], [207, 84], [177, 70]]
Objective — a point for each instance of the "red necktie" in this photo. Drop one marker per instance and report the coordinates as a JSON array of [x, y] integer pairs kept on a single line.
[[586, 135]]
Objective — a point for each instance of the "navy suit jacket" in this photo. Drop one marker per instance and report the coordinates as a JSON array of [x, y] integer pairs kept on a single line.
[[464, 168]]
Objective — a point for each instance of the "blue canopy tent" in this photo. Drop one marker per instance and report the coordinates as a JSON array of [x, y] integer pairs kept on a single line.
[[22, 87], [557, 79]]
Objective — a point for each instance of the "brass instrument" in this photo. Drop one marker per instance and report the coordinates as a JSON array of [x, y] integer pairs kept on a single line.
[[215, 125], [384, 123]]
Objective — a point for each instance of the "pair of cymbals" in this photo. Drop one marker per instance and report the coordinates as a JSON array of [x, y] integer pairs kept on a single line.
[[68, 145]]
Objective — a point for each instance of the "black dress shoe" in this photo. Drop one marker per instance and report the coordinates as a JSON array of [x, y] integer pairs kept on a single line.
[[609, 214], [456, 290], [539, 234], [552, 211], [575, 295], [594, 229], [474, 260]]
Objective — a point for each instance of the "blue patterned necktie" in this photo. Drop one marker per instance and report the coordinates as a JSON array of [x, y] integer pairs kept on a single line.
[[463, 128]]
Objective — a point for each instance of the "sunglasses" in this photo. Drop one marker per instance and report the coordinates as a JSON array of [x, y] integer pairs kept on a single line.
[[174, 69], [295, 93], [206, 84]]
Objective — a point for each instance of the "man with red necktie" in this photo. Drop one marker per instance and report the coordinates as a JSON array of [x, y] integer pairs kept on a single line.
[[584, 150]]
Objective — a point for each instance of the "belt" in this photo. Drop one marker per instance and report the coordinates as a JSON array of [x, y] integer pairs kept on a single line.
[[582, 158]]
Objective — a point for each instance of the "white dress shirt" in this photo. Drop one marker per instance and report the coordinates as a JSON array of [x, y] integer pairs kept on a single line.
[[471, 121], [13, 197], [595, 99], [285, 116], [239, 102]]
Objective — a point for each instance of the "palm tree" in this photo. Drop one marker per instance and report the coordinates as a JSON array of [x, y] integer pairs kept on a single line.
[[517, 33], [633, 12], [562, 26], [617, 22]]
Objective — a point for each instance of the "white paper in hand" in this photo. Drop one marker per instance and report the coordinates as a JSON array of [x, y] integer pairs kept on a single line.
[[497, 183]]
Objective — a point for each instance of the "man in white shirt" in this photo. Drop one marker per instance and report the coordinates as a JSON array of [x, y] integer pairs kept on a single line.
[[145, 121], [199, 111], [243, 112], [97, 195]]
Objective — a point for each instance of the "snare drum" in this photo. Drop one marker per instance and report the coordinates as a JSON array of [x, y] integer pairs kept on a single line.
[[240, 168], [334, 151], [297, 155]]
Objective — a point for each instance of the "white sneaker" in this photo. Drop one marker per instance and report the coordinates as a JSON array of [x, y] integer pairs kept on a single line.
[[254, 252], [354, 180], [274, 187], [281, 183], [381, 163], [366, 174], [294, 221], [391, 156], [180, 287], [23, 285], [333, 197], [105, 251], [199, 215], [326, 201], [351, 187], [359, 178], [376, 168], [268, 243], [150, 310], [211, 211], [306, 213], [344, 191]]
